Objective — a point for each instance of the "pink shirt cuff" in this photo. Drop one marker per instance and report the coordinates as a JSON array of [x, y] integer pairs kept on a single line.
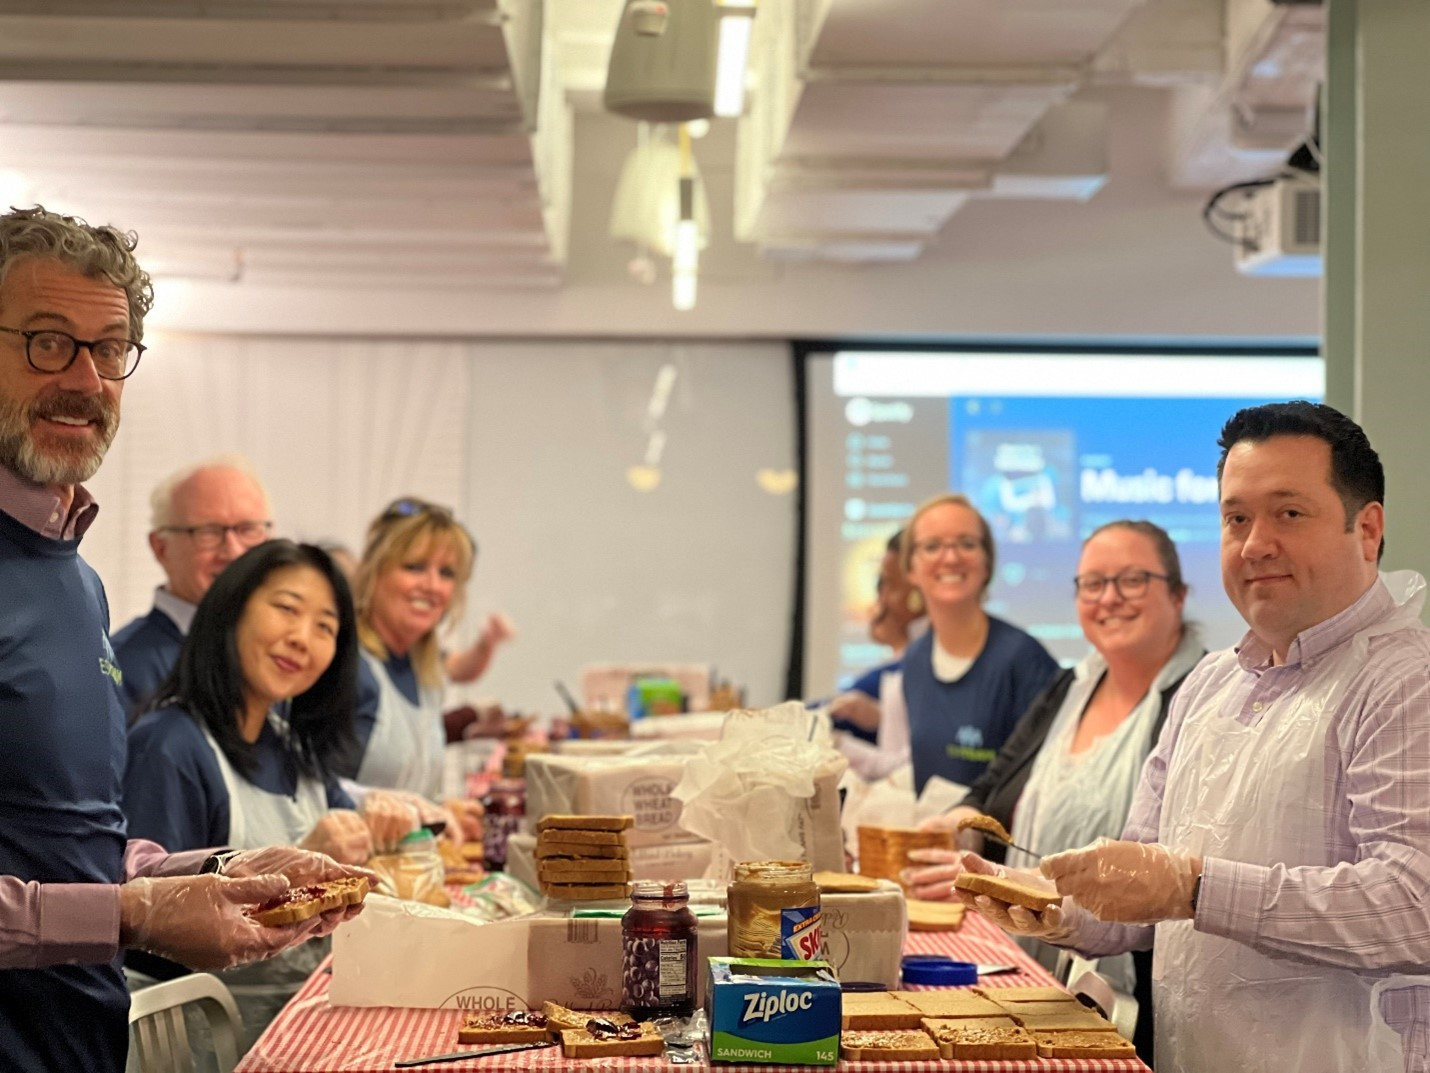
[[79, 924]]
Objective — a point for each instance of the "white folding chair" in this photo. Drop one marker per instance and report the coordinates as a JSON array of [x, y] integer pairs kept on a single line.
[[1093, 989], [158, 1035]]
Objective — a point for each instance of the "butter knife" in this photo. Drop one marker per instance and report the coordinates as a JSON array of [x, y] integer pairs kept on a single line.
[[457, 1056]]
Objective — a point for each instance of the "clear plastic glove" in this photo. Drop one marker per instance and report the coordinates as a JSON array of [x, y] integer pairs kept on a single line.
[[301, 867], [390, 815], [202, 921], [341, 835], [470, 817], [931, 876], [1132, 882], [1057, 925], [860, 709], [969, 838]]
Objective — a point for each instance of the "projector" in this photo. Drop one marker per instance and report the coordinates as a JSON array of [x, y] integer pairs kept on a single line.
[[663, 61], [1279, 230]]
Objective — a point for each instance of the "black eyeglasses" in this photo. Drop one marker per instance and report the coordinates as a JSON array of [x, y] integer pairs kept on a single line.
[[50, 351], [1129, 584], [208, 537]]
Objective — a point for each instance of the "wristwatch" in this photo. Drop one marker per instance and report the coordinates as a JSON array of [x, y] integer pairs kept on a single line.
[[1196, 892], [215, 863]]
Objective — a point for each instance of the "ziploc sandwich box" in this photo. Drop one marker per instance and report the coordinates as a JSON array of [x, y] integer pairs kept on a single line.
[[785, 1012]]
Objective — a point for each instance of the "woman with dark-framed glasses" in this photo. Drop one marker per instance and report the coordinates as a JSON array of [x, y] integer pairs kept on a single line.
[[1067, 775], [410, 583]]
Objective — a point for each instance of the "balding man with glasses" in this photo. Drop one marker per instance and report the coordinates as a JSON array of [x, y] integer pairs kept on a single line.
[[202, 518]]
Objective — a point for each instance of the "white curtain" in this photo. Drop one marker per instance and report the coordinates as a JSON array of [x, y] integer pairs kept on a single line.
[[336, 429], [610, 527]]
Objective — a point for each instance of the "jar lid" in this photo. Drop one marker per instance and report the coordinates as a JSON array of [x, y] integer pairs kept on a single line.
[[659, 890], [938, 970], [413, 838]]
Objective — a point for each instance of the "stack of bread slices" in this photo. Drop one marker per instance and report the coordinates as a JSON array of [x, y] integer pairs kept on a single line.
[[583, 858]]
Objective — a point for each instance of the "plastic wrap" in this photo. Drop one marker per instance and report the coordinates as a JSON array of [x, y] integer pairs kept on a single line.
[[342, 835], [756, 791]]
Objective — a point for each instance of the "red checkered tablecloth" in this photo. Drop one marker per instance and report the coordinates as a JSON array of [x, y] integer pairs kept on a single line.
[[310, 1036]]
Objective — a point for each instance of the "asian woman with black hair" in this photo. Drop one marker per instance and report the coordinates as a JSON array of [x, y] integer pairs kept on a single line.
[[235, 748]]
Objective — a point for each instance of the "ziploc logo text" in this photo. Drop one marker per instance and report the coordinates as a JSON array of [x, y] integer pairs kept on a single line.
[[766, 1005]]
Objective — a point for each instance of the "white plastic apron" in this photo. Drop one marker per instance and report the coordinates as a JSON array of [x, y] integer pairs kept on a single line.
[[405, 751], [258, 818], [1257, 794]]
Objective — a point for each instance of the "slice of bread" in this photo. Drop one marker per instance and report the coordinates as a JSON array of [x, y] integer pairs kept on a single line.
[[461, 877], [999, 1043], [560, 1019], [1010, 891], [1079, 1019], [583, 851], [935, 916], [300, 903], [518, 1026], [871, 1010], [556, 821], [1004, 995], [873, 1046], [580, 1043], [1051, 1008], [845, 883], [1082, 1045], [583, 871], [563, 836], [584, 892], [950, 1003]]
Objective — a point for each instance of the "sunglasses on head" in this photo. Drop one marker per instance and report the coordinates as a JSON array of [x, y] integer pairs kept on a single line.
[[407, 508]]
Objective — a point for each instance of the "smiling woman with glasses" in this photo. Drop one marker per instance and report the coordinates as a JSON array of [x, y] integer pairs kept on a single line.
[[1068, 773], [410, 585], [968, 679]]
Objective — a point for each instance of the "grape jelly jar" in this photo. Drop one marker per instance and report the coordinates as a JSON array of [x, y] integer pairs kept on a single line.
[[505, 805], [659, 957]]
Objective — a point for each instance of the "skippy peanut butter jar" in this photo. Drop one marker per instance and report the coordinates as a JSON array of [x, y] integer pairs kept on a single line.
[[774, 911], [763, 1010]]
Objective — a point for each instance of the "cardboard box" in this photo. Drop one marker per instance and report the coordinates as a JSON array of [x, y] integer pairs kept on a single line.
[[574, 958], [637, 783], [761, 1011], [864, 934], [451, 961], [397, 953]]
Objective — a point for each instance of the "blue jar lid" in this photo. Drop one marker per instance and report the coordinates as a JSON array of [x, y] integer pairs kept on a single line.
[[939, 971]]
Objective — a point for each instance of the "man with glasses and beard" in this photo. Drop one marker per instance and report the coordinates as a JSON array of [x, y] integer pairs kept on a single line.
[[203, 517], [73, 890]]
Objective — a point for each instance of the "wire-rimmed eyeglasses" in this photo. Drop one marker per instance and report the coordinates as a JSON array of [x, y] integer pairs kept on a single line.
[[51, 351]]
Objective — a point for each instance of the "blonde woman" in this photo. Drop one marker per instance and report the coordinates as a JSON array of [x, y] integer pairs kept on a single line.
[[971, 676], [416, 562]]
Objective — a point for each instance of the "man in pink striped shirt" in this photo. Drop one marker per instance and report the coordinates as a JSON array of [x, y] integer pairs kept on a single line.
[[1279, 843]]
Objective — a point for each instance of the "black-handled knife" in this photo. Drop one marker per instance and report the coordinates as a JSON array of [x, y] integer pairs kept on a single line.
[[457, 1056]]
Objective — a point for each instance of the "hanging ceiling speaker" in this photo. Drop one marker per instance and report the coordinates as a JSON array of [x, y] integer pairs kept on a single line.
[[663, 61]]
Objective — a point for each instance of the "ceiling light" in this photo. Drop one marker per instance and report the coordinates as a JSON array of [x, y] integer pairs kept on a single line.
[[646, 208], [736, 25]]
